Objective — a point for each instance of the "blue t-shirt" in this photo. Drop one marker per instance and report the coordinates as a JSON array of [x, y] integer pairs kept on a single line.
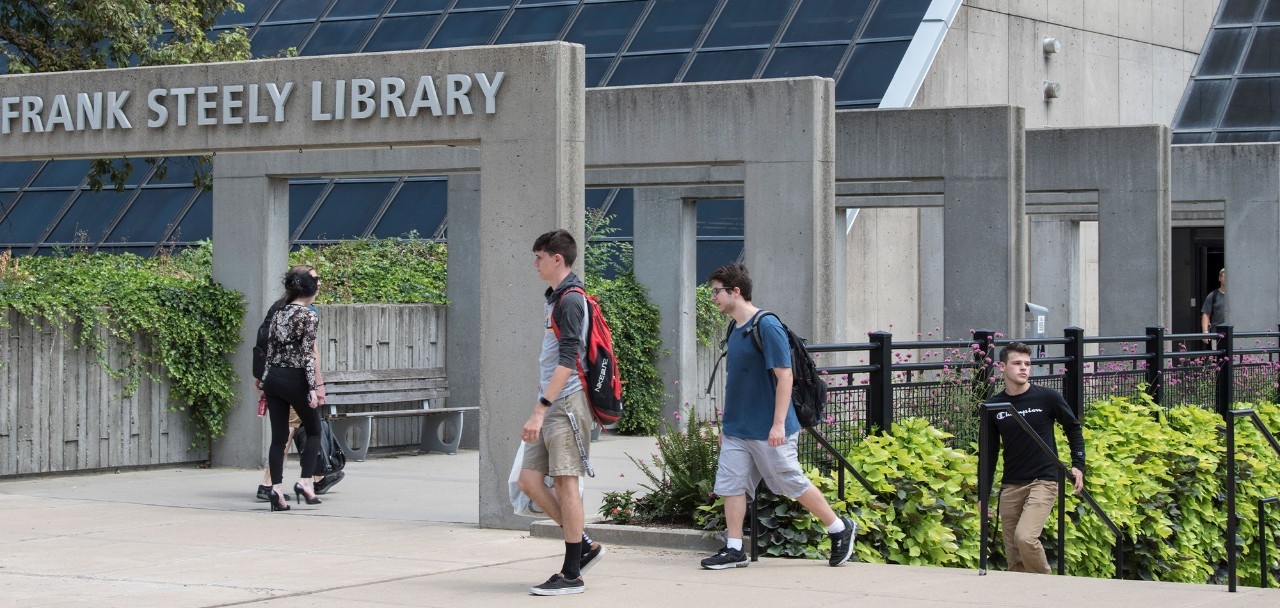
[[749, 385]]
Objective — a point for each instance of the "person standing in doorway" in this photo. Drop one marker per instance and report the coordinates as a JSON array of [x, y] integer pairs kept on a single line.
[[1030, 483], [1213, 312], [555, 445], [759, 427]]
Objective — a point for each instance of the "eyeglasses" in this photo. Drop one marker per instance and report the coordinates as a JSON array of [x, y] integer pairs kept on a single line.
[[715, 291]]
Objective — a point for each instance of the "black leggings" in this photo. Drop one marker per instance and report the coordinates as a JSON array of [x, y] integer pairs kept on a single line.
[[286, 386]]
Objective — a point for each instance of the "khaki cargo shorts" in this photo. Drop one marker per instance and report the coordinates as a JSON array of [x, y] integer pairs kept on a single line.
[[555, 453]]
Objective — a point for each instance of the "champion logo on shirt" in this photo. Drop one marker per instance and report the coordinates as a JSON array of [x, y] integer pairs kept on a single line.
[[1003, 415]]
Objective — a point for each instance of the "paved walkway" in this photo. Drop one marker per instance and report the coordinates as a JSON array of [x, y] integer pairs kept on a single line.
[[400, 531]]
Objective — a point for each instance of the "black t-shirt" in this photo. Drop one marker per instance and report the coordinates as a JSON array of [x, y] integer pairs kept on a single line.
[[1024, 462]]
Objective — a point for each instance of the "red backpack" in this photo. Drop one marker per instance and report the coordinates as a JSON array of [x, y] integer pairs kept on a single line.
[[601, 380]]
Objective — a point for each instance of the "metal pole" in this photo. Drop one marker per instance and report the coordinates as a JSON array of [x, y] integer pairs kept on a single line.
[[1062, 523], [1231, 502], [1073, 376], [1155, 366], [880, 389], [1262, 541], [753, 513], [984, 487]]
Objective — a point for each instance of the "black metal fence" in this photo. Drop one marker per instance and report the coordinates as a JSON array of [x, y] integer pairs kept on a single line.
[[945, 381]]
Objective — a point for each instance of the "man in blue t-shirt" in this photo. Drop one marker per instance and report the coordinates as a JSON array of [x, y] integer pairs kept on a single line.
[[759, 426]]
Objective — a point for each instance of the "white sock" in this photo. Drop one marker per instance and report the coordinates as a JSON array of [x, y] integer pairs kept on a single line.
[[836, 526], [734, 543]]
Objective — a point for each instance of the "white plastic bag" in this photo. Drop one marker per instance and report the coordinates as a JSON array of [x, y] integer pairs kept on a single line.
[[521, 504]]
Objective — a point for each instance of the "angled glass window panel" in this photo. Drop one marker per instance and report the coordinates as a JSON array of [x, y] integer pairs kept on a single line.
[[596, 197], [1264, 53], [150, 216], [338, 37], [139, 169], [869, 71], [466, 29], [61, 174], [1222, 52], [747, 22], [87, 219], [646, 69], [178, 171], [31, 214], [15, 174], [673, 24], [401, 33], [297, 10], [896, 18], [720, 217], [536, 24], [603, 27], [346, 212], [622, 215], [419, 206], [1254, 103], [1271, 14], [714, 254], [537, 2], [805, 61], [197, 224], [1239, 11], [1203, 104], [271, 40], [253, 10], [483, 4], [301, 198], [417, 6], [1241, 137], [596, 67], [724, 65], [1192, 138], [356, 8], [826, 20]]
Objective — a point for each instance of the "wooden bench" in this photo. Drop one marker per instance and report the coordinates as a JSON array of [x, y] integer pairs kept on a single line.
[[441, 427]]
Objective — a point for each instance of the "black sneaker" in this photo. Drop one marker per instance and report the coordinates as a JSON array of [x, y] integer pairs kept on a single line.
[[591, 557], [328, 481], [842, 543], [559, 585], [726, 558], [264, 493]]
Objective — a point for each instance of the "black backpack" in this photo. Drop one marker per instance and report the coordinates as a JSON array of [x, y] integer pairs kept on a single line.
[[332, 458], [260, 346], [808, 389]]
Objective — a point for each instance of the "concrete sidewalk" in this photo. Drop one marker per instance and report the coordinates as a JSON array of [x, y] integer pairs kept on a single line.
[[400, 531]]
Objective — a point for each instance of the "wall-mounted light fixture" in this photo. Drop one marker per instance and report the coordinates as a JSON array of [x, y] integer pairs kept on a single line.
[[1052, 46], [1052, 90]]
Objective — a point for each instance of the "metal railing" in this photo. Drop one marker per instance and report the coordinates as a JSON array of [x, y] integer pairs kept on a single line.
[[1263, 530], [1233, 520]]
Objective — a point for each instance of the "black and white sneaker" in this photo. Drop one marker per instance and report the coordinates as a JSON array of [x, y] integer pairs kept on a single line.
[[842, 543], [726, 558], [591, 557], [559, 585]]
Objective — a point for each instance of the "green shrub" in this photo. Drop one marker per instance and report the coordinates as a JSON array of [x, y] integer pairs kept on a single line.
[[368, 271], [682, 475]]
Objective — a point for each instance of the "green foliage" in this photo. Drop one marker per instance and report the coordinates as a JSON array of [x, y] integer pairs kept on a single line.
[[394, 270], [189, 321], [682, 476], [710, 324], [618, 507]]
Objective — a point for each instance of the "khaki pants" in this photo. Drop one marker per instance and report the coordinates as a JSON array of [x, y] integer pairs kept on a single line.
[[1023, 511]]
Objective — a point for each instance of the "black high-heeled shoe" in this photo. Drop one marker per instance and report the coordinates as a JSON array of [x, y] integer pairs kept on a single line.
[[300, 493], [277, 502]]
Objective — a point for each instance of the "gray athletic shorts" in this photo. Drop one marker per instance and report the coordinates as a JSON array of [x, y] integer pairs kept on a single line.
[[555, 453], [744, 462]]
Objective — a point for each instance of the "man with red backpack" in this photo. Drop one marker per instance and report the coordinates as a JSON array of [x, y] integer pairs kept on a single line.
[[553, 433]]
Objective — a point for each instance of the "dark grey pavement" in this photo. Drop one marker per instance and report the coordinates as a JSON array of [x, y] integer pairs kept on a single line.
[[400, 531]]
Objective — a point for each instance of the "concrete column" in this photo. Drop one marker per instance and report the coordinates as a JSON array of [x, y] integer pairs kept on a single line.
[[1055, 275], [930, 276], [666, 256], [250, 255], [462, 351]]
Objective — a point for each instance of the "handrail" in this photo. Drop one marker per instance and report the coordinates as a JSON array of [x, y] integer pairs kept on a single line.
[[984, 489], [1233, 518], [1263, 532]]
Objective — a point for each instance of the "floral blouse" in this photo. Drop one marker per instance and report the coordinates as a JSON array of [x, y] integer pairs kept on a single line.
[[292, 341]]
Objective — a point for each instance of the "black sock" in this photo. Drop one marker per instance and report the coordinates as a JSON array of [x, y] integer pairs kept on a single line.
[[572, 560], [586, 542]]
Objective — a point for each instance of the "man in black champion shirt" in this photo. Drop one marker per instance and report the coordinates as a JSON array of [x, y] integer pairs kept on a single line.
[[1029, 486]]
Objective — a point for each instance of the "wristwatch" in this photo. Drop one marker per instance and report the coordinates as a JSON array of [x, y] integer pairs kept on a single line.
[[544, 401]]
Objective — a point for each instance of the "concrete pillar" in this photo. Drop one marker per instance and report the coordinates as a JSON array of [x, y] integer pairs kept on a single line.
[[666, 256], [462, 351], [251, 255], [1056, 274]]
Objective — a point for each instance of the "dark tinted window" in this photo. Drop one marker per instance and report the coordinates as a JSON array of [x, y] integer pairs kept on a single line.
[[622, 213], [596, 67], [1243, 137], [483, 3], [714, 254], [347, 211], [724, 65], [596, 197], [150, 215], [720, 218], [822, 20], [1203, 103], [180, 170], [805, 61], [673, 24], [87, 219], [1264, 53], [535, 24], [197, 224], [413, 6], [338, 37], [1271, 14], [646, 69], [253, 10], [356, 8], [1254, 103], [401, 33], [603, 27], [420, 206], [291, 10], [1239, 11], [1192, 138], [301, 199], [271, 40], [1222, 52], [897, 18], [747, 22], [61, 174], [14, 175], [466, 29], [30, 216], [869, 71]]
